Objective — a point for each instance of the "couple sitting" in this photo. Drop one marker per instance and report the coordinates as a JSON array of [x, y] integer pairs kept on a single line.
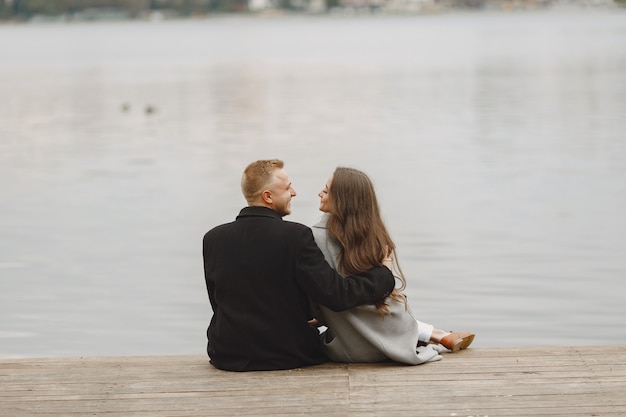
[[263, 274]]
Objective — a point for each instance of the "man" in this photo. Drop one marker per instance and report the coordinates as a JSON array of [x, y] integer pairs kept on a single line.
[[260, 272]]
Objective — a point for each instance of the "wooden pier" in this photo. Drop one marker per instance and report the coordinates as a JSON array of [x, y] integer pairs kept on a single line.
[[546, 381]]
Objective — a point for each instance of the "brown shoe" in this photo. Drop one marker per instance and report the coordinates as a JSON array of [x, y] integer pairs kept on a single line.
[[456, 341]]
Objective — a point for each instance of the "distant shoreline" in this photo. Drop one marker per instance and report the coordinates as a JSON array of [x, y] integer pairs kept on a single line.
[[421, 7]]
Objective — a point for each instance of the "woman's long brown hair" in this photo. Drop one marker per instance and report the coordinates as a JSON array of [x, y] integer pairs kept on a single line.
[[357, 226]]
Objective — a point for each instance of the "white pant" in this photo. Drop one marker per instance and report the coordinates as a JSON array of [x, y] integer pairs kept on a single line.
[[424, 331]]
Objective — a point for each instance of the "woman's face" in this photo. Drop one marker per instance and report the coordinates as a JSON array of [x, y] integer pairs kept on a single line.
[[324, 201]]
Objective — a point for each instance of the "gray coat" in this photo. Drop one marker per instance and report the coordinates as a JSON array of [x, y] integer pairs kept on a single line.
[[360, 334]]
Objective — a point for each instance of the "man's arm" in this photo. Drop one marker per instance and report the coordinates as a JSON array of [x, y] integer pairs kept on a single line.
[[326, 287]]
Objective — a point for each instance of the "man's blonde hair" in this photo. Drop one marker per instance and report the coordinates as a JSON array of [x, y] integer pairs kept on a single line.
[[257, 177]]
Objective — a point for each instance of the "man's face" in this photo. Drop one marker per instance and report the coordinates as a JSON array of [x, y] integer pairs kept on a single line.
[[282, 192]]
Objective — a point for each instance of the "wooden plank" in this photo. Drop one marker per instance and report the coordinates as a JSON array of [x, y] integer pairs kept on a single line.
[[542, 381]]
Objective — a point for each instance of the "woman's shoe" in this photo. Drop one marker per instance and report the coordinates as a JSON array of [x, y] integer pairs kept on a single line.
[[456, 341]]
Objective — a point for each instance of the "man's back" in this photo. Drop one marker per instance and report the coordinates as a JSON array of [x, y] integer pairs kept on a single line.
[[260, 313]]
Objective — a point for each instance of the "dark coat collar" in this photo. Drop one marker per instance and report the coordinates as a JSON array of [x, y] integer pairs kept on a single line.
[[258, 211]]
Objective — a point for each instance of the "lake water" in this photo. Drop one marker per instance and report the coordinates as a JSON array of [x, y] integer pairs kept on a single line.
[[497, 143]]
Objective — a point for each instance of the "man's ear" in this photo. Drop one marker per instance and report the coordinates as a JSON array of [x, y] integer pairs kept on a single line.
[[266, 196]]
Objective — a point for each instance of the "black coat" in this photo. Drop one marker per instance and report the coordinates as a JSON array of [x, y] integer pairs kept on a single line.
[[260, 272]]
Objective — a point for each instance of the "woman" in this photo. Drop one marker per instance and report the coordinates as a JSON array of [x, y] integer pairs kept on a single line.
[[353, 238]]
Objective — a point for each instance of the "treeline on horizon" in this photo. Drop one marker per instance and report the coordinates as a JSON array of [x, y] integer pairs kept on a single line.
[[25, 9]]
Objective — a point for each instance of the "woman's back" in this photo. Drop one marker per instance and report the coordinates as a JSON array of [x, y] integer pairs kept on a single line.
[[361, 334]]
